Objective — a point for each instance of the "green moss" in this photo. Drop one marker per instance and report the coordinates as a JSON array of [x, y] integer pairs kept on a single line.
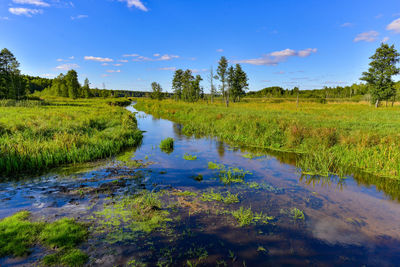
[[167, 145], [72, 257], [18, 234], [64, 233], [189, 157]]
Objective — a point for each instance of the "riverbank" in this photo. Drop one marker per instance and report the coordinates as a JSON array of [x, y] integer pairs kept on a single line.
[[41, 135], [331, 138]]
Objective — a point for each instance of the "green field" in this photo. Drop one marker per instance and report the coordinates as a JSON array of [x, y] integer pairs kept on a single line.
[[331, 138], [36, 135]]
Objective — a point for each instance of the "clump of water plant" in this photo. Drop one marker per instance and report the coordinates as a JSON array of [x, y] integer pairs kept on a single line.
[[167, 145], [189, 157], [232, 176], [245, 217], [227, 198], [72, 257], [297, 214], [215, 166], [140, 214]]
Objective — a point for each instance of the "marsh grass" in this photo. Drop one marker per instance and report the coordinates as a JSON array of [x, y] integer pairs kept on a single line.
[[65, 131], [331, 138], [167, 145]]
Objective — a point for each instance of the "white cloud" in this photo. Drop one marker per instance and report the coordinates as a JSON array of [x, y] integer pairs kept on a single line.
[[123, 60], [67, 66], [48, 75], [130, 55], [280, 72], [24, 11], [4, 18], [394, 26], [113, 71], [32, 2], [386, 39], [117, 65], [60, 59], [347, 24], [220, 50], [156, 55], [80, 17], [370, 36], [168, 57], [98, 59], [274, 58], [199, 70], [135, 3], [168, 68], [104, 64], [71, 57]]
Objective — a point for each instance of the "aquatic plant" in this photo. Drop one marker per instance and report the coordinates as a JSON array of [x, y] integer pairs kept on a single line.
[[245, 217], [189, 157], [297, 214], [167, 145], [215, 166], [229, 198]]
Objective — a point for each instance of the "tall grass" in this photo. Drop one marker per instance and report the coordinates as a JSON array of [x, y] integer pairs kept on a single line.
[[331, 138], [35, 138]]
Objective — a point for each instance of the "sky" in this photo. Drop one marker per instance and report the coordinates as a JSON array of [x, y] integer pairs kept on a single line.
[[128, 44]]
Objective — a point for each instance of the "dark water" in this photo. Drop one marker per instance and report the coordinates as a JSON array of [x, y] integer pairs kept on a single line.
[[348, 221]]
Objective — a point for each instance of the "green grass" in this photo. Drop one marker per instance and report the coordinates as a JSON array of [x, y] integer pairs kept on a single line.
[[18, 235], [34, 138], [229, 175], [245, 217], [331, 138], [167, 145], [297, 214]]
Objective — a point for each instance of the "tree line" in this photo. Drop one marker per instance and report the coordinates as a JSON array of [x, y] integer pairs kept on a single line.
[[186, 87]]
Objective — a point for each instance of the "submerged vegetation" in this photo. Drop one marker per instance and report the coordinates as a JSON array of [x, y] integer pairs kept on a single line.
[[330, 138], [189, 157], [63, 131]]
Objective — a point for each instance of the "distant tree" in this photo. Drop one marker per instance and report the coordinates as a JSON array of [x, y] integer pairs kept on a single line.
[[72, 84], [11, 83], [211, 78], [379, 75], [177, 84], [86, 89], [240, 83], [156, 91], [222, 72]]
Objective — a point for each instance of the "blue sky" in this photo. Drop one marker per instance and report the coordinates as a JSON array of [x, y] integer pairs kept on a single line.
[[127, 44]]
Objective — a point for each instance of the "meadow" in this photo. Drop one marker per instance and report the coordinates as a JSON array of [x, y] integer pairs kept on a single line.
[[339, 137], [37, 135]]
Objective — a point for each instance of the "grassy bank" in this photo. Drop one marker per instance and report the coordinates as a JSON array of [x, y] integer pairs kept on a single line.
[[331, 138], [35, 137]]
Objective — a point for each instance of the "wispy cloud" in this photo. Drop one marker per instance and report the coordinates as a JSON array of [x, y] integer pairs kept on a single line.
[[347, 24], [280, 72], [24, 11], [220, 50], [67, 66], [274, 58], [385, 40], [4, 18], [370, 36], [394, 26], [199, 70], [135, 3], [113, 71], [79, 17], [123, 60], [65, 60], [98, 59], [32, 2], [117, 65], [156, 57], [168, 68]]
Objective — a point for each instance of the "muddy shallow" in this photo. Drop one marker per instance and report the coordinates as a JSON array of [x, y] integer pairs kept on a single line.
[[347, 221]]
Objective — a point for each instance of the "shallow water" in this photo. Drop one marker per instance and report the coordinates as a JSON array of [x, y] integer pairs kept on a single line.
[[348, 221]]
